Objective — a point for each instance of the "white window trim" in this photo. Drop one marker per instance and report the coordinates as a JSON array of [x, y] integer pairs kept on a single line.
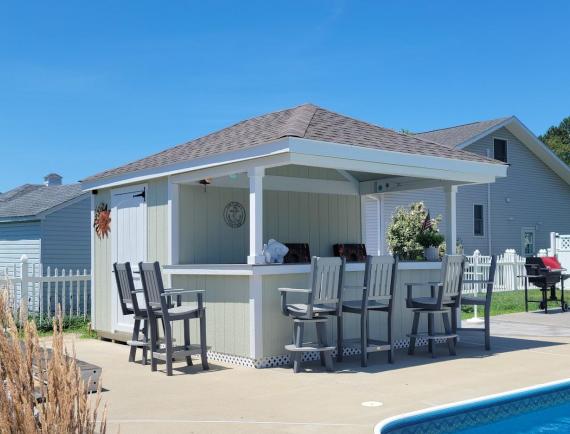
[[482, 218], [528, 229], [506, 147]]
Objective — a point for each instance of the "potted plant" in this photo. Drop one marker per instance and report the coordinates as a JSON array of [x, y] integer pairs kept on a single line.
[[430, 240], [403, 232]]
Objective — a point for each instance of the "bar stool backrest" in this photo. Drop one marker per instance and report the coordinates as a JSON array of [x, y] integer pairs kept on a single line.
[[153, 286], [380, 277], [452, 268], [326, 281], [125, 288]]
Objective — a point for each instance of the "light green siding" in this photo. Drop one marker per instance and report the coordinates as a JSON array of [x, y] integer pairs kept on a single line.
[[157, 220], [227, 312]]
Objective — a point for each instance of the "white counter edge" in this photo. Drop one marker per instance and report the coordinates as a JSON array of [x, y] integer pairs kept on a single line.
[[261, 270]]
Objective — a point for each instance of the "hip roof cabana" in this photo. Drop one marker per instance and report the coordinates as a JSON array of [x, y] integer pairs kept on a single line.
[[260, 155]]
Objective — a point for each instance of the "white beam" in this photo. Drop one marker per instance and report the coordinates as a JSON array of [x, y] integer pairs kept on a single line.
[[399, 183], [256, 216], [289, 183], [451, 218]]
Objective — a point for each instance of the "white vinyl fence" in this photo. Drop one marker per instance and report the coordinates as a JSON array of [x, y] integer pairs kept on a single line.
[[508, 276], [45, 289]]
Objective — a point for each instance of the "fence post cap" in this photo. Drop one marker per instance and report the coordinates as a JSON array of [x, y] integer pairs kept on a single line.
[[24, 258]]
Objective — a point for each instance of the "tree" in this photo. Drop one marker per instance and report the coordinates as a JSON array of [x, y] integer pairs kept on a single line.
[[558, 139]]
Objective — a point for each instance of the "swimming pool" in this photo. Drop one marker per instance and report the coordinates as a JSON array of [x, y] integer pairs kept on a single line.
[[538, 409]]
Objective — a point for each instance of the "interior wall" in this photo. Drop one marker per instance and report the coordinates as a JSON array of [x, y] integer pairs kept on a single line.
[[318, 219]]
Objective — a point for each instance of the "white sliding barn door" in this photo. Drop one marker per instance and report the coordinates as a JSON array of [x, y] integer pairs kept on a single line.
[[373, 235], [129, 240]]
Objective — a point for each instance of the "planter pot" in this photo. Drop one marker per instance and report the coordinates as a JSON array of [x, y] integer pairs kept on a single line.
[[431, 253]]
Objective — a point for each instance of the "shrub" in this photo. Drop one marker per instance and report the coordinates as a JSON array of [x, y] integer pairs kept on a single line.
[[404, 229], [66, 406]]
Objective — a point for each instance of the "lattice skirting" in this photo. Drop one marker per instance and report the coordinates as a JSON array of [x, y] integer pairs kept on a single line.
[[284, 359]]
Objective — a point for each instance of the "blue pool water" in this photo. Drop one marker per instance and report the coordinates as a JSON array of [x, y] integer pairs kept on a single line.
[[542, 409]]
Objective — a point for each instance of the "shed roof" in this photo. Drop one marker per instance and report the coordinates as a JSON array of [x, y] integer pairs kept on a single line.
[[306, 121]]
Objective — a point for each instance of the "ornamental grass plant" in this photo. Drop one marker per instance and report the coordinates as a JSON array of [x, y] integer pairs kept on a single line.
[[41, 394]]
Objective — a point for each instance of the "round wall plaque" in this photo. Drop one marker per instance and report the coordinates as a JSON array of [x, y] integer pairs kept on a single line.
[[234, 214]]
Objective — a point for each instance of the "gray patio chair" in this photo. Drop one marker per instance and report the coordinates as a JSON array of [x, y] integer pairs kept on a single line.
[[324, 300], [483, 301], [377, 296], [444, 299], [159, 307], [130, 306]]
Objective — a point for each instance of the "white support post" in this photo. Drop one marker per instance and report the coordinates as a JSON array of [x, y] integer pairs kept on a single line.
[[451, 218], [256, 216], [173, 223]]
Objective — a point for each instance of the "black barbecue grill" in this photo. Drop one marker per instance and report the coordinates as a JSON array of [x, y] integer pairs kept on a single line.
[[542, 275]]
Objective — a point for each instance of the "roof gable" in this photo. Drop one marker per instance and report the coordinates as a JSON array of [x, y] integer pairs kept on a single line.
[[306, 121], [461, 136]]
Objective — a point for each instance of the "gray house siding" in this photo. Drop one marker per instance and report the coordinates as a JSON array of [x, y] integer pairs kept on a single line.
[[17, 239], [531, 195], [66, 235]]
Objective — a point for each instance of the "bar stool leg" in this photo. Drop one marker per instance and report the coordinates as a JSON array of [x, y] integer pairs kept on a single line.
[[146, 339], [431, 343], [448, 330], [323, 341], [297, 355], [135, 337], [415, 325], [187, 340]]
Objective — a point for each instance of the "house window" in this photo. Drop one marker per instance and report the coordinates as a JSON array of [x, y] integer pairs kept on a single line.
[[500, 149], [478, 220], [528, 237]]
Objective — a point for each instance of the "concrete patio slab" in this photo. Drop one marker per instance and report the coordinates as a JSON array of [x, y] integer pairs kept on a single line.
[[246, 400]]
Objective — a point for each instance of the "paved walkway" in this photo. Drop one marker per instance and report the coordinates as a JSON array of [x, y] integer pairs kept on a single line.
[[531, 349]]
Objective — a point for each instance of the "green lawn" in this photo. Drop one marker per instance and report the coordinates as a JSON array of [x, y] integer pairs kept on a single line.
[[506, 302], [71, 324]]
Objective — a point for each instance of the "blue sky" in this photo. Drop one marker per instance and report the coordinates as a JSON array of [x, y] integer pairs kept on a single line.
[[85, 86]]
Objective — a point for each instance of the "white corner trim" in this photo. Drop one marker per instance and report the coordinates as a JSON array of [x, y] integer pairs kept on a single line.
[[92, 238], [255, 316]]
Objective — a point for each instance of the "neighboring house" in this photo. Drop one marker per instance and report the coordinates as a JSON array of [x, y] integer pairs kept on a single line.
[[49, 223], [516, 212]]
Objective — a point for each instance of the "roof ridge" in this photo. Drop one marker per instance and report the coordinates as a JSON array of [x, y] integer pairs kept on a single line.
[[299, 121], [462, 125]]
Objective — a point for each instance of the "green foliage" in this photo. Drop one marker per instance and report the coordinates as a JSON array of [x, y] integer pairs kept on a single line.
[[402, 233], [430, 238], [558, 139]]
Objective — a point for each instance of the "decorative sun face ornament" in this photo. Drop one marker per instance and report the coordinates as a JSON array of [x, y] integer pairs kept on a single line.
[[102, 220]]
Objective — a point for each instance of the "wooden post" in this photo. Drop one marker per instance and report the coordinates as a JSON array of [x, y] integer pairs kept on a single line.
[[256, 216]]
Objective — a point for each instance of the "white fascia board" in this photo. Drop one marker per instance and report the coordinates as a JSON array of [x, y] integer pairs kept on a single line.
[[268, 149], [347, 157]]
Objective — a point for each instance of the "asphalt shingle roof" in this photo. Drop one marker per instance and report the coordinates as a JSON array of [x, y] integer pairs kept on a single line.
[[455, 136], [306, 121], [30, 200]]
